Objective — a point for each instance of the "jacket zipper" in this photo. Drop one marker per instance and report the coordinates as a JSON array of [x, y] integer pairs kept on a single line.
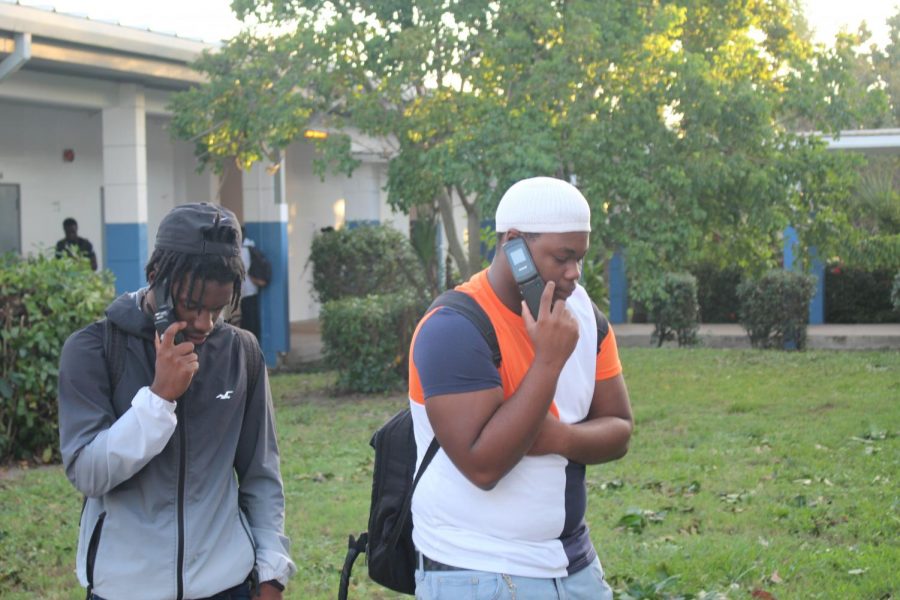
[[254, 572], [182, 436], [93, 544]]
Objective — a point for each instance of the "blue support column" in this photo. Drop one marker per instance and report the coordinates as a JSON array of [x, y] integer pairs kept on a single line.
[[817, 268], [790, 248], [126, 254], [817, 304], [618, 289], [275, 327], [790, 263]]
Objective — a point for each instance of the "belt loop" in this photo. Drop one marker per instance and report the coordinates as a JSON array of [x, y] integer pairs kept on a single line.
[[420, 560]]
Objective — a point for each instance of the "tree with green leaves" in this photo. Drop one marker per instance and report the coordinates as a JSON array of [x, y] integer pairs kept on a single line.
[[670, 117], [851, 84]]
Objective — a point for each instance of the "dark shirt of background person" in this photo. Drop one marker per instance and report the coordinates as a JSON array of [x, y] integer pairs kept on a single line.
[[74, 244]]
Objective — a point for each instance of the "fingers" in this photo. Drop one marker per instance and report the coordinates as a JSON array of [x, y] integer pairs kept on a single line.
[[546, 300], [526, 316], [168, 337]]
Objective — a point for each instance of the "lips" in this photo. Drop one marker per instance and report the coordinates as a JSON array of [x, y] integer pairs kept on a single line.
[[563, 294]]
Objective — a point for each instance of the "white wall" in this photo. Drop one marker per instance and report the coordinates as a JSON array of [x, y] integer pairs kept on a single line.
[[172, 176], [32, 140], [160, 177]]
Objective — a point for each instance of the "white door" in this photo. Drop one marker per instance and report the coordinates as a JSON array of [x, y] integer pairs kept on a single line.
[[10, 227]]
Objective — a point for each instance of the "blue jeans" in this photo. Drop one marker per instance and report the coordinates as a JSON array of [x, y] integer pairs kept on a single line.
[[238, 592], [586, 584]]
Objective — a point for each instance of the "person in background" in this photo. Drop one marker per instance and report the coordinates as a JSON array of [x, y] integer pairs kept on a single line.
[[72, 244], [249, 314]]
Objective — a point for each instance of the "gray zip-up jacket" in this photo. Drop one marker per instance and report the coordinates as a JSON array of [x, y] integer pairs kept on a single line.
[[182, 499]]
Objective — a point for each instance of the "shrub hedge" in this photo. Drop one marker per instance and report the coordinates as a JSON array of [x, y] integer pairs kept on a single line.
[[373, 290], [674, 310], [370, 259], [775, 309], [717, 292], [42, 301], [854, 295], [895, 292], [367, 339]]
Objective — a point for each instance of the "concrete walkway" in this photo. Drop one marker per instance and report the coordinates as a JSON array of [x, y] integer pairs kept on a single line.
[[819, 337], [306, 341]]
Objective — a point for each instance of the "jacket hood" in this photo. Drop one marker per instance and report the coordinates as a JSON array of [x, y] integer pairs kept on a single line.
[[125, 311]]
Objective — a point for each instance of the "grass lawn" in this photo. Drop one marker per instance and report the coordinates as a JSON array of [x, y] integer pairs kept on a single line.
[[750, 473]]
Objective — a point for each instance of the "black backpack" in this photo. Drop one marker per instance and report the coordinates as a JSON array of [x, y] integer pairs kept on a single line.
[[260, 267], [388, 545]]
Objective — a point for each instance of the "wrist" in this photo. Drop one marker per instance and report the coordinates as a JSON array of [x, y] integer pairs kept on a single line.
[[161, 396], [550, 364]]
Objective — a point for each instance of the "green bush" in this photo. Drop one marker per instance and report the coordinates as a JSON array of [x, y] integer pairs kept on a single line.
[[371, 259], [367, 339], [717, 292], [854, 295], [592, 277], [775, 309], [674, 311], [42, 301], [895, 292]]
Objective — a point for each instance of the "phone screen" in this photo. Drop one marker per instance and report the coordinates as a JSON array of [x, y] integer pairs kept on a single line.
[[524, 271]]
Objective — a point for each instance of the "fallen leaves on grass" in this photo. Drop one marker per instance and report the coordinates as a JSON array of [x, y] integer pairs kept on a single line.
[[635, 520]]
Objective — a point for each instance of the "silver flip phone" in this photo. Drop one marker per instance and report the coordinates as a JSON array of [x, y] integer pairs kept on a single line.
[[531, 286]]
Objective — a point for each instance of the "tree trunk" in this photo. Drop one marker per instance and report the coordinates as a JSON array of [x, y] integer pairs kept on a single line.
[[474, 221], [445, 204]]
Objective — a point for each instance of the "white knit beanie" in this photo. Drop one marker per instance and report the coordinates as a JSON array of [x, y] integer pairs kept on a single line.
[[543, 205]]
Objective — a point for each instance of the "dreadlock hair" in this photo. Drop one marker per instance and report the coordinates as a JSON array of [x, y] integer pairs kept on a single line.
[[175, 267]]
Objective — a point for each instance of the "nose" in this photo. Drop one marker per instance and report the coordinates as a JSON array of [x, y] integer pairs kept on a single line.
[[204, 322], [573, 270]]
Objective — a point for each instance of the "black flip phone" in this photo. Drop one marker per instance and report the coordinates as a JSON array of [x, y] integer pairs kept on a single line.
[[531, 286], [165, 310]]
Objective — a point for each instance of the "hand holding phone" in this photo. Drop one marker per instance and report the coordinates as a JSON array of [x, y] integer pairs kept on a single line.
[[176, 364], [524, 271], [555, 333]]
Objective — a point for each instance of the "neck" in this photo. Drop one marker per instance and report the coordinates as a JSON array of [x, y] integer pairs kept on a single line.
[[500, 277], [147, 302]]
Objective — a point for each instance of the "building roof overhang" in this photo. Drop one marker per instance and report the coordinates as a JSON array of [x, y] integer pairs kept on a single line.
[[871, 141], [71, 45]]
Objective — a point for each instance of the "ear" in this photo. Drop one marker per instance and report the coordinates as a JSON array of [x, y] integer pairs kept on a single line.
[[512, 234]]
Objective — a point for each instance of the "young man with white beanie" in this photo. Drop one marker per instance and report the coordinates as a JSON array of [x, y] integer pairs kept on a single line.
[[499, 512]]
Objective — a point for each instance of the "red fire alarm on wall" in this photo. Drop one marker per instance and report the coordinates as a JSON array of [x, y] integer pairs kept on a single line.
[[68, 155]]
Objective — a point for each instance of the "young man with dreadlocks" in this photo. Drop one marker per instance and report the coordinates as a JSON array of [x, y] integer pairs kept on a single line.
[[175, 451]]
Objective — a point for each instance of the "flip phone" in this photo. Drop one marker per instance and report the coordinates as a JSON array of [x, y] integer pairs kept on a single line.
[[531, 286], [165, 310]]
